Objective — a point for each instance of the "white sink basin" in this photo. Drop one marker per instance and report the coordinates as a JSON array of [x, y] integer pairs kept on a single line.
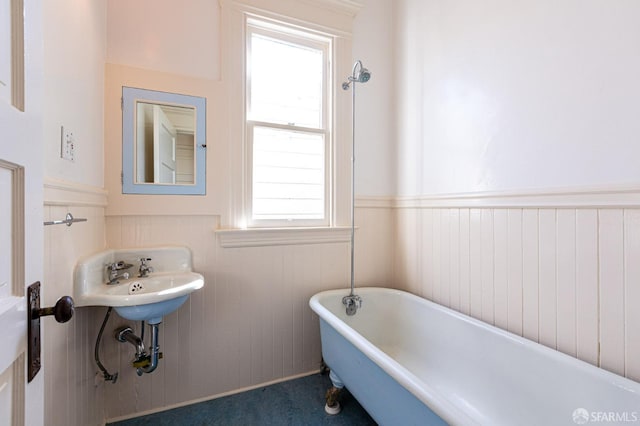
[[147, 299], [138, 298]]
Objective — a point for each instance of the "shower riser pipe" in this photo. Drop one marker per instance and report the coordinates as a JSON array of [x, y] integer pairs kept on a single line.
[[359, 74]]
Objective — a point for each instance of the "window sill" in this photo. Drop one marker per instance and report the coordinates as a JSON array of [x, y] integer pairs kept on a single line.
[[258, 237]]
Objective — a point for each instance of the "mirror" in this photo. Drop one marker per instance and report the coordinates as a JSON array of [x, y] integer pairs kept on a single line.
[[163, 142]]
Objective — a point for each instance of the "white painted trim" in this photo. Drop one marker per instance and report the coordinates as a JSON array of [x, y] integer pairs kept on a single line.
[[63, 193], [345, 7], [17, 54], [578, 197], [374, 202], [296, 13], [17, 225], [18, 400], [321, 26], [258, 237]]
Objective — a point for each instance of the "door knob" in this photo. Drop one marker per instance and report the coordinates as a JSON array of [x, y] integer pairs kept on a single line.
[[62, 312]]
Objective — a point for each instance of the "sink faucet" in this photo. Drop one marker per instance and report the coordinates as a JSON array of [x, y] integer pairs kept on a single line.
[[144, 269], [113, 271]]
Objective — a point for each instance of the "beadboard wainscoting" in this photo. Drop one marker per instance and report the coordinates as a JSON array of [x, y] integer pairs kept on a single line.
[[566, 275], [562, 273], [251, 323], [71, 395]]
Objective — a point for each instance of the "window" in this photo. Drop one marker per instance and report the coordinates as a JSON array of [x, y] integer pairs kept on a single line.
[[288, 131]]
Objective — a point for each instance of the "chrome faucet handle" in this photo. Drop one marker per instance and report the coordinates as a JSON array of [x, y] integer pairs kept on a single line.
[[112, 271], [117, 266], [352, 302], [144, 267]]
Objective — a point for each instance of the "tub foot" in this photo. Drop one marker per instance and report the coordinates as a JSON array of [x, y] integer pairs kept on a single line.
[[332, 396], [333, 405]]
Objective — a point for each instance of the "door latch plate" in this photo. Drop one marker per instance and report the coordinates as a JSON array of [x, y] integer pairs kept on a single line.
[[33, 333]]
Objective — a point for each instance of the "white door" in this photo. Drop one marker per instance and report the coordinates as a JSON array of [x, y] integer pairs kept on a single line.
[[21, 227], [164, 148]]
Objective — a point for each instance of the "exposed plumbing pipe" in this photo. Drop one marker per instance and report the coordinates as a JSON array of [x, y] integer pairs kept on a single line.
[[359, 74], [155, 351], [125, 334], [144, 362], [96, 353]]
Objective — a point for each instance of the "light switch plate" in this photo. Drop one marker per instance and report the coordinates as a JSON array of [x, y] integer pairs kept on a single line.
[[67, 144]]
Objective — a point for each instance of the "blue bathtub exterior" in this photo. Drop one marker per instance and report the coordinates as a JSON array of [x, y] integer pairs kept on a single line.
[[386, 401]]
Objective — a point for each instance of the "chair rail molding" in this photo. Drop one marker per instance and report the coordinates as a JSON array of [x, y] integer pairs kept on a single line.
[[64, 193], [613, 196]]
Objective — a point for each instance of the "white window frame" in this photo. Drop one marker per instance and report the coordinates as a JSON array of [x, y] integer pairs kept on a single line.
[[307, 37]]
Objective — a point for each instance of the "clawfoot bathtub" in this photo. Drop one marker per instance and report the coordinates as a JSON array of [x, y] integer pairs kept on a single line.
[[410, 361]]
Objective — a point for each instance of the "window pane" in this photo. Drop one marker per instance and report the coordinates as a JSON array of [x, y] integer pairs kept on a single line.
[[286, 82], [288, 174]]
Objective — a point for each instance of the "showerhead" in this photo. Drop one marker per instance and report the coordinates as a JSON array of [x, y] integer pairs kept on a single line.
[[364, 75], [359, 75]]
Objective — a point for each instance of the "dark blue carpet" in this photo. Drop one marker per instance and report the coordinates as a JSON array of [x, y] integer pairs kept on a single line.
[[295, 402]]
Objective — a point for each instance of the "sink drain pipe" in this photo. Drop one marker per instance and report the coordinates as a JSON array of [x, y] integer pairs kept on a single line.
[[155, 351], [143, 362], [125, 334]]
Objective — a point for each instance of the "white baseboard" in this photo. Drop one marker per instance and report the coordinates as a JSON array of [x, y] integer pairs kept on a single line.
[[209, 398]]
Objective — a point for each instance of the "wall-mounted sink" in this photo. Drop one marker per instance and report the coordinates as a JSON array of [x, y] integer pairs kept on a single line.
[[146, 298]]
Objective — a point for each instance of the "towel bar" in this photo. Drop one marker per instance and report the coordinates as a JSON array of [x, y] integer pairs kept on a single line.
[[69, 220]]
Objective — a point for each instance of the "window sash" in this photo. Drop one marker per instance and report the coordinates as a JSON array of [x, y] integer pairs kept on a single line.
[[255, 213], [308, 107], [306, 190]]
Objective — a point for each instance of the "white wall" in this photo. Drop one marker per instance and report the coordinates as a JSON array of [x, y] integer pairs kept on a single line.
[[75, 51], [375, 103], [527, 109], [74, 58], [500, 95], [167, 36]]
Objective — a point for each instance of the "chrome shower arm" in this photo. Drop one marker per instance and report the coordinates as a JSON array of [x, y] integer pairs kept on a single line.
[[359, 74]]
